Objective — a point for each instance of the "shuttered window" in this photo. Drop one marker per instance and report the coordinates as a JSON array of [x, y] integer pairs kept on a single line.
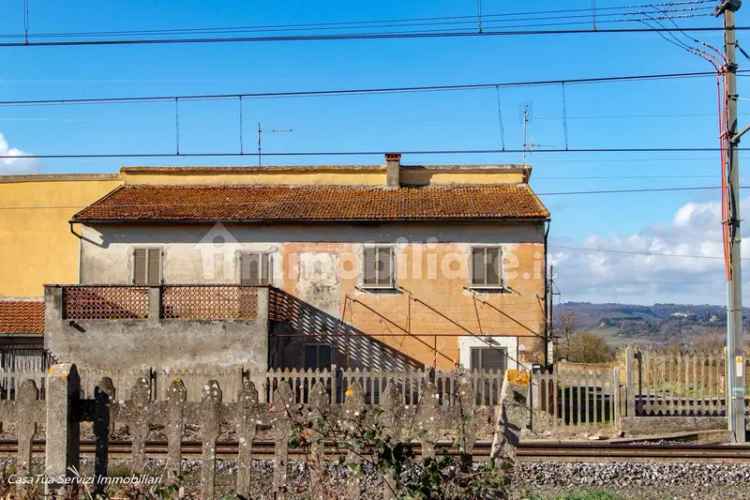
[[486, 267], [255, 269], [488, 358], [378, 267], [147, 266]]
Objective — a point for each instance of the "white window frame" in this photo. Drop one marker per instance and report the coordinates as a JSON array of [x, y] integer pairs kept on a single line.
[[392, 284], [510, 344], [500, 270]]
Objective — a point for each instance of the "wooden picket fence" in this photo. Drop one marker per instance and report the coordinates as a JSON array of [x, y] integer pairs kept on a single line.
[[575, 402]]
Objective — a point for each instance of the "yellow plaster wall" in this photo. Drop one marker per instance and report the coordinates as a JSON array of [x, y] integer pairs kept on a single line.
[[273, 175], [425, 317], [456, 176], [36, 246]]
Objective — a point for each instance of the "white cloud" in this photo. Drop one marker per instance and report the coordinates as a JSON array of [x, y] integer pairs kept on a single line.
[[14, 165], [633, 276]]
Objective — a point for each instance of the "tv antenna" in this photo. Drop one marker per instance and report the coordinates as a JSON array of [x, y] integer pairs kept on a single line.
[[526, 115], [261, 131]]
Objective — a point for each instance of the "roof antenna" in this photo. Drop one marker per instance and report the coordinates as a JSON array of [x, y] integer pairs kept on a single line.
[[260, 139], [526, 117]]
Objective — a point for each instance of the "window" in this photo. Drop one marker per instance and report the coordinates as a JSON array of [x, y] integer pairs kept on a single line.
[[147, 266], [488, 358], [318, 356], [486, 267], [255, 268], [378, 267]]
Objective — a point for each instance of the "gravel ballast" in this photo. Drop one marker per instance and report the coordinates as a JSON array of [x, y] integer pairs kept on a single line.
[[636, 480]]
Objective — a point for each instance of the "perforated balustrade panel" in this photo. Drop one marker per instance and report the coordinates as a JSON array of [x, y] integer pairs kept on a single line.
[[209, 302], [105, 302]]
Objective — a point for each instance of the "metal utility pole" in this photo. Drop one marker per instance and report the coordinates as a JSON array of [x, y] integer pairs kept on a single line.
[[735, 362]]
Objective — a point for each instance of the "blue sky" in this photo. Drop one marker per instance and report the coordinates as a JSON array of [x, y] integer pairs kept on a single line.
[[643, 114]]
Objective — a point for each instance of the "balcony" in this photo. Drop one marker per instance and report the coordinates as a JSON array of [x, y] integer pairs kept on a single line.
[[168, 326], [167, 302]]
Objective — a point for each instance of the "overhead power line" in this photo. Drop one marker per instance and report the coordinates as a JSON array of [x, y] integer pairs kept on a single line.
[[637, 253], [504, 24], [362, 36], [681, 149], [519, 31], [690, 6], [291, 202], [364, 90], [635, 190]]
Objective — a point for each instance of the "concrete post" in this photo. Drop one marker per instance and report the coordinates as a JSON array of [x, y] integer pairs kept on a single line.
[[154, 303], [62, 452], [104, 394]]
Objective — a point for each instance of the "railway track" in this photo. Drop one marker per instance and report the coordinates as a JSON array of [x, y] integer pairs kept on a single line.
[[525, 452], [225, 448], [614, 452]]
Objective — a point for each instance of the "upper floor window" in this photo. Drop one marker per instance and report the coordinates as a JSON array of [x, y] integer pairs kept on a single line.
[[486, 267], [255, 268], [147, 266], [379, 268]]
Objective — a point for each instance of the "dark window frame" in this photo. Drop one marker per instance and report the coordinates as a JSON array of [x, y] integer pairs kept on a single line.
[[486, 283], [317, 346], [379, 283], [482, 349], [261, 281]]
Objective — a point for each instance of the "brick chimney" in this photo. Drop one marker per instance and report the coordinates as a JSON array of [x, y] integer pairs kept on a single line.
[[392, 167]]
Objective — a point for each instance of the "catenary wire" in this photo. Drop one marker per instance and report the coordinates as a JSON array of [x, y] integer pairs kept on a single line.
[[323, 202], [367, 90], [363, 36], [469, 19], [679, 149]]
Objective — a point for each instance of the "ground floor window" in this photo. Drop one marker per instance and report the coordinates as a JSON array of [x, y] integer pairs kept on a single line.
[[318, 356], [489, 358]]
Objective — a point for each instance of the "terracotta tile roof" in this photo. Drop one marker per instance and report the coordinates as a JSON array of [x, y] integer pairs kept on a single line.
[[275, 203], [21, 317]]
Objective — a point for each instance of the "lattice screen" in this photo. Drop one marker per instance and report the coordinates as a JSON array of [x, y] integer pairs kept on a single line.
[[209, 302], [105, 302]]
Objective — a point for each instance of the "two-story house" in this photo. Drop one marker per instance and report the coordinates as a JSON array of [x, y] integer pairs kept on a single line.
[[381, 266]]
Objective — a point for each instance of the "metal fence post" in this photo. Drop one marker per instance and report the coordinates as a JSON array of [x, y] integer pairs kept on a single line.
[[630, 393]]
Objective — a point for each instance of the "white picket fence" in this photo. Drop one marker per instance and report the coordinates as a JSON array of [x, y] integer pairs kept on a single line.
[[487, 384]]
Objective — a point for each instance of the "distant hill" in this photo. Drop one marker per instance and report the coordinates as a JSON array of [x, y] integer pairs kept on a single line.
[[636, 324]]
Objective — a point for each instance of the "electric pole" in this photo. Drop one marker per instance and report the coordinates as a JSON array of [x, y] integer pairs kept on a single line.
[[735, 362]]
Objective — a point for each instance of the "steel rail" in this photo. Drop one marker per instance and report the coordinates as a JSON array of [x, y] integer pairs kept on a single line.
[[524, 452]]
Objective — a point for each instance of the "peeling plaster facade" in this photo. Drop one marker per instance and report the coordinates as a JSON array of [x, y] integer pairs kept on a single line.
[[430, 315]]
